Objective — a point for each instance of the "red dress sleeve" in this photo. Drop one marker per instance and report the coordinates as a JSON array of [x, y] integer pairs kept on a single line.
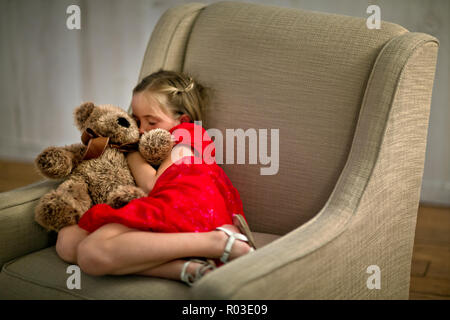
[[196, 137], [187, 197]]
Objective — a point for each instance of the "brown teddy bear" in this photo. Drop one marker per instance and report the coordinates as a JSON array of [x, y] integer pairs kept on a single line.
[[96, 171]]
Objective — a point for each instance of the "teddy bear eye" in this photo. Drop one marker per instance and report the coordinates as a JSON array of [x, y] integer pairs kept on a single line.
[[123, 122]]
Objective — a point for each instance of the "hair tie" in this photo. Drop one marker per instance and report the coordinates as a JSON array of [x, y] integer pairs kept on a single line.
[[186, 89], [190, 85]]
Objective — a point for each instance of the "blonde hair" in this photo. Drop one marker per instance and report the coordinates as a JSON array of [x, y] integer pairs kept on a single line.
[[176, 91]]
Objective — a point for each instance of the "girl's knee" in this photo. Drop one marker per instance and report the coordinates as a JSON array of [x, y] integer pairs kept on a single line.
[[67, 242], [94, 258], [95, 254]]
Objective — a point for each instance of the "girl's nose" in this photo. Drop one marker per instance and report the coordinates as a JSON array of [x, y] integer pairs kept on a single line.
[[141, 130]]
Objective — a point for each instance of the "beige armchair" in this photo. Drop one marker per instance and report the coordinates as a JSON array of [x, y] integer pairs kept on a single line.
[[351, 105]]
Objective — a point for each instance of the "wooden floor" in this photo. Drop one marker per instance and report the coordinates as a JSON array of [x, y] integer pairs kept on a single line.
[[430, 271]]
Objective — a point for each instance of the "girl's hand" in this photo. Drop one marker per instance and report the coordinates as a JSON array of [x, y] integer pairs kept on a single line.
[[144, 174]]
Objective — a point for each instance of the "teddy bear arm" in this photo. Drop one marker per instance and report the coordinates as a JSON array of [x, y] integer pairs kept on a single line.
[[77, 150], [58, 162], [63, 206], [123, 194]]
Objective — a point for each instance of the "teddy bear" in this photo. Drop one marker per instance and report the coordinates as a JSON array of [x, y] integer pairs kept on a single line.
[[96, 170]]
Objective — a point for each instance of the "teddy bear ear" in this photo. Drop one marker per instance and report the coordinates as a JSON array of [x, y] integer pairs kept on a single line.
[[82, 113]]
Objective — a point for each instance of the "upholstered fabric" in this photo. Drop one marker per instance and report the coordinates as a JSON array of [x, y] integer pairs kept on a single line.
[[370, 216], [25, 277], [351, 105], [167, 46], [43, 275], [300, 72], [19, 233]]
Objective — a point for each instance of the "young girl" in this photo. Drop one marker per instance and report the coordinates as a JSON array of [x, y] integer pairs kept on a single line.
[[190, 209]]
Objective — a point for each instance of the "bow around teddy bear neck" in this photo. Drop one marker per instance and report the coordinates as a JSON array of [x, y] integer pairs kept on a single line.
[[96, 144]]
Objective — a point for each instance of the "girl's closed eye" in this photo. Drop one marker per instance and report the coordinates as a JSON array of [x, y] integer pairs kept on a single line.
[[136, 120], [151, 121]]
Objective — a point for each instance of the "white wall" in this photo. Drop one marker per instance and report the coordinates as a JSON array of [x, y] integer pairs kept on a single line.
[[47, 70]]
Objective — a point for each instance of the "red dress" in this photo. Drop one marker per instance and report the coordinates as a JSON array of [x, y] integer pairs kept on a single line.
[[187, 197]]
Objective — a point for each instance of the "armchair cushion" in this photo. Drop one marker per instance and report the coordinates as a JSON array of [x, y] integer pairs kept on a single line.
[[20, 234], [42, 275]]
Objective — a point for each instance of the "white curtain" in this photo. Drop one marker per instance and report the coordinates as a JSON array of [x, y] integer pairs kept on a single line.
[[47, 70]]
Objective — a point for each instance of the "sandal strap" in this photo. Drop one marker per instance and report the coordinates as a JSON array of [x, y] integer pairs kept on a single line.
[[199, 272], [185, 276], [240, 222], [232, 237]]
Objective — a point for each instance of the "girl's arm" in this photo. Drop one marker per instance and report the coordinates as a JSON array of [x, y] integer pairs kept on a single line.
[[178, 152], [145, 175]]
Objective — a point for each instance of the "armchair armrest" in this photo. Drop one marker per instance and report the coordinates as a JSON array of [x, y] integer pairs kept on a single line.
[[19, 233], [370, 217]]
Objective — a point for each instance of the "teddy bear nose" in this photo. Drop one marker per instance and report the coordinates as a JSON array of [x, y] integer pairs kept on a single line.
[[123, 122]]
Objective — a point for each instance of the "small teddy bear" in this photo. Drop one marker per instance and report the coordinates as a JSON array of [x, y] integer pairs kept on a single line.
[[96, 171]]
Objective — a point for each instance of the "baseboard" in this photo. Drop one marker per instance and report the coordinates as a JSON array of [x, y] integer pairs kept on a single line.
[[435, 192]]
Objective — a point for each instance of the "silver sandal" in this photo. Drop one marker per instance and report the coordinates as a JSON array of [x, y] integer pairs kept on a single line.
[[189, 278], [232, 237], [241, 224]]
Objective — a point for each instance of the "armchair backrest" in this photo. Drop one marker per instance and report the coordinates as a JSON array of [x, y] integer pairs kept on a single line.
[[304, 73]]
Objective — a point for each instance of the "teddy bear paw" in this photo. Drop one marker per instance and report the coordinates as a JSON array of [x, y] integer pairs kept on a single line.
[[156, 145], [54, 163], [54, 212], [124, 194]]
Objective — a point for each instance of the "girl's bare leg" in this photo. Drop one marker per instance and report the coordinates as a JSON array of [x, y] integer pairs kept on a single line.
[[70, 237], [67, 242], [170, 270], [116, 249]]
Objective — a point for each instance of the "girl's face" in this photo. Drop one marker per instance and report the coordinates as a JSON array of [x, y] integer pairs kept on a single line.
[[148, 114]]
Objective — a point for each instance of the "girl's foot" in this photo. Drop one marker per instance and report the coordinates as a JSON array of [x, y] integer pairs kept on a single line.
[[195, 265], [195, 269], [239, 247]]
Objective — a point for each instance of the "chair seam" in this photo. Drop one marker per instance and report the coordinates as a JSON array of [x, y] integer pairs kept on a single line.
[[20, 203], [189, 37], [183, 18], [36, 282], [24, 190]]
